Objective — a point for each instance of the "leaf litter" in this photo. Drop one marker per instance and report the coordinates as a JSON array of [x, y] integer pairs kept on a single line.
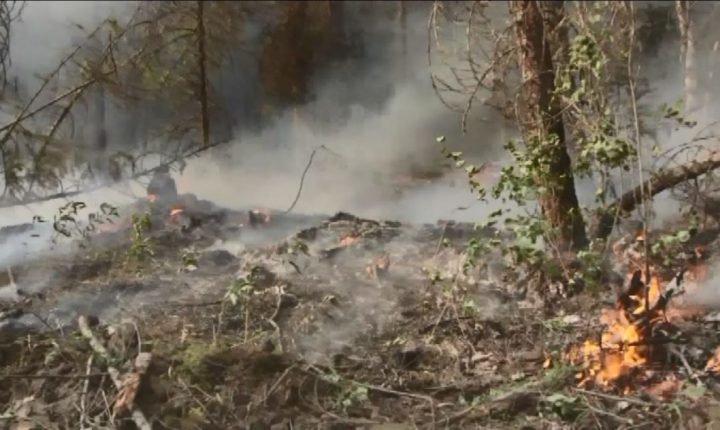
[[322, 322]]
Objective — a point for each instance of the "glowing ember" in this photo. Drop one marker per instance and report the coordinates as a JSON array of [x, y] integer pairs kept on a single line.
[[713, 364], [109, 227], [379, 267], [152, 197], [653, 294], [666, 388], [348, 239]]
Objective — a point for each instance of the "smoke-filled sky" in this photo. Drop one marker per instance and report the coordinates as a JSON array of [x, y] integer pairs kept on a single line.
[[372, 146], [395, 117]]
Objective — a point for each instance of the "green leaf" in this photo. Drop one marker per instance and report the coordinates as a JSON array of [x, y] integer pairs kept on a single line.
[[683, 236], [694, 391]]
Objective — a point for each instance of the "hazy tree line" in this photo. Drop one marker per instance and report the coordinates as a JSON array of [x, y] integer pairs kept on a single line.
[[172, 77], [178, 75]]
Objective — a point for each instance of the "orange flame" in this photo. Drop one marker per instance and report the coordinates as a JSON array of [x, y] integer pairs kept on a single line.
[[619, 351], [152, 197], [174, 212], [653, 294], [615, 355], [713, 364], [379, 267]]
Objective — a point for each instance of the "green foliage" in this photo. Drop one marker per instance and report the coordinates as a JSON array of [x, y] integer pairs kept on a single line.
[[242, 289], [189, 259], [674, 113], [593, 264], [351, 393], [566, 407], [66, 221], [298, 247], [471, 170], [667, 246], [141, 246], [355, 395], [517, 183]]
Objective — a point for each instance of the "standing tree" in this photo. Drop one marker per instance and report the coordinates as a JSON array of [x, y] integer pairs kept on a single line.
[[688, 55], [9, 12], [542, 124], [202, 72]]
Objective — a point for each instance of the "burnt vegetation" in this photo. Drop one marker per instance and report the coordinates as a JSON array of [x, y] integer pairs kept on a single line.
[[580, 295]]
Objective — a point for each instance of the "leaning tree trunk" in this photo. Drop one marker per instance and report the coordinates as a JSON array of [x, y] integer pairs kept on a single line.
[[688, 56], [542, 120]]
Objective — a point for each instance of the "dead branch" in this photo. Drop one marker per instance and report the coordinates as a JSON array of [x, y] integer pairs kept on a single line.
[[137, 175], [666, 179], [9, 12], [51, 376], [141, 364], [302, 178]]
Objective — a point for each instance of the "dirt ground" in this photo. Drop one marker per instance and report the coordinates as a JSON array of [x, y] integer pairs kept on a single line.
[[319, 323]]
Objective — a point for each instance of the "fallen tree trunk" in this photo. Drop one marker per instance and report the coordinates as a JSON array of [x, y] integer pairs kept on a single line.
[[135, 175], [661, 181]]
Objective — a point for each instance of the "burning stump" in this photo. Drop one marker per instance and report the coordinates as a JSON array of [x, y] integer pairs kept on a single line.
[[162, 186]]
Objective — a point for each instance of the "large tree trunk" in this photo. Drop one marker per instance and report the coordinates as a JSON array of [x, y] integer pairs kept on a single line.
[[542, 118], [688, 56], [202, 65], [402, 17], [100, 138]]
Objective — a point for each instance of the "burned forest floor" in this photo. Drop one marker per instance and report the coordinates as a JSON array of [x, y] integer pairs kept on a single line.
[[196, 317]]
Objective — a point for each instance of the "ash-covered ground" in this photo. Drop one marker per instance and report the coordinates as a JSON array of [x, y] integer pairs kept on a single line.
[[256, 319]]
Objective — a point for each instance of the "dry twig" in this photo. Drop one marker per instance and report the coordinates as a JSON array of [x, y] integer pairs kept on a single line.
[[141, 364]]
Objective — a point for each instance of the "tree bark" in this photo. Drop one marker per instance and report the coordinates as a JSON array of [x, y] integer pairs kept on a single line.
[[101, 141], [402, 17], [202, 66], [542, 117], [688, 56]]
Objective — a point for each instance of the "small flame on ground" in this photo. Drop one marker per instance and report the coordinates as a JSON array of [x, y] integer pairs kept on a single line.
[[713, 364], [176, 211], [616, 354], [151, 197], [379, 267], [108, 227], [653, 294], [348, 239], [621, 349]]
